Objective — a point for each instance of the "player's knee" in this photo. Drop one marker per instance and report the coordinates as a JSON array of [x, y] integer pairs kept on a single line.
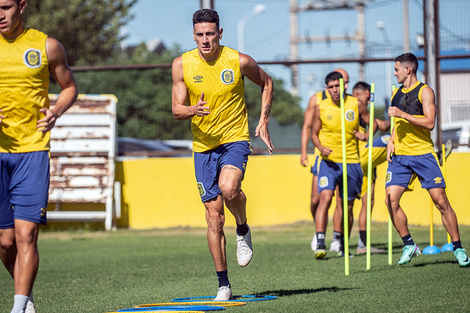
[[215, 221], [231, 191]]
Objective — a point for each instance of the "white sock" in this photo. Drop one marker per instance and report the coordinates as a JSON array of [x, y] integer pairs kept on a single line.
[[20, 303]]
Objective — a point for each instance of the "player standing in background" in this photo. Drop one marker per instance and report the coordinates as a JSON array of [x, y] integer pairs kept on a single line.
[[27, 58], [210, 79]]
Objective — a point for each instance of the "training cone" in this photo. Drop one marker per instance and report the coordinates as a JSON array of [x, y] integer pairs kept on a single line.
[[431, 250], [447, 248]]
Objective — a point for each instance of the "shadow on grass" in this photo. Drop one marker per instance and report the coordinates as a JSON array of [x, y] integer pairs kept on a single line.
[[287, 292]]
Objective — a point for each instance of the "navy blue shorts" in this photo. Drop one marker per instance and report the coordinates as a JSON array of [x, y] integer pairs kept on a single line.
[[24, 187], [209, 164], [402, 167], [314, 168], [330, 175]]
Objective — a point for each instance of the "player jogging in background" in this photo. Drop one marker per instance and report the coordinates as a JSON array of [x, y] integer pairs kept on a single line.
[[411, 150], [27, 58], [210, 79]]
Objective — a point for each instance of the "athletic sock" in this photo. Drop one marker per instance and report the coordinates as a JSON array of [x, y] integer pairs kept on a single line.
[[362, 238], [242, 230], [456, 245], [407, 240], [336, 235], [20, 303], [320, 239], [223, 278]]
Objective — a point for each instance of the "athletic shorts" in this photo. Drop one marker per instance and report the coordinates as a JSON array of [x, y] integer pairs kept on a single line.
[[314, 169], [365, 179], [209, 164], [24, 187], [400, 171], [330, 175]]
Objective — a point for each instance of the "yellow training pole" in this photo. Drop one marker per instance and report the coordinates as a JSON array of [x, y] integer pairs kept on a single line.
[[369, 171], [444, 169], [431, 226], [345, 180], [390, 226]]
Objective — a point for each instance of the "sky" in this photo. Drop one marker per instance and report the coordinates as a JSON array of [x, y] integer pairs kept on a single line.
[[266, 35]]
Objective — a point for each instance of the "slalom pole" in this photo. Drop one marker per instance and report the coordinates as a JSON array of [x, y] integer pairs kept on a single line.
[[448, 246], [369, 171], [345, 180], [390, 226]]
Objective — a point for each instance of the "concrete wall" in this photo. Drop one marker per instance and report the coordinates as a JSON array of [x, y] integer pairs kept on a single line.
[[162, 192]]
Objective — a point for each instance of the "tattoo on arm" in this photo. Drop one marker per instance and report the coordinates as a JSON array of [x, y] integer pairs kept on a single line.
[[267, 111]]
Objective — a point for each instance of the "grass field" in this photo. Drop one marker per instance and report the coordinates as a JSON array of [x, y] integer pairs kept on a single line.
[[102, 272]]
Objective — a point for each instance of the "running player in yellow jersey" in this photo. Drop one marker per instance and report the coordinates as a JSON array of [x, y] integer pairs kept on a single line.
[[210, 79], [327, 118], [411, 150], [27, 58], [306, 135]]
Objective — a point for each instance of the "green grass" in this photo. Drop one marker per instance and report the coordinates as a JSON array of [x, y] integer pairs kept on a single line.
[[101, 272]]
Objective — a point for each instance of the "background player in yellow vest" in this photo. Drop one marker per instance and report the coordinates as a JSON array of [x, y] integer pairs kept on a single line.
[[210, 79], [411, 150], [27, 57], [327, 118], [306, 135]]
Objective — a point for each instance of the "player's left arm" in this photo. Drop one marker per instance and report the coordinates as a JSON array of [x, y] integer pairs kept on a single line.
[[63, 75], [429, 111], [365, 116], [257, 75]]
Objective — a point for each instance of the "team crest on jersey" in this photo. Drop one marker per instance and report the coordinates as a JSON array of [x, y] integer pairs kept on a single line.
[[323, 181], [350, 115], [388, 177], [202, 190], [438, 180], [32, 58], [227, 76], [198, 79], [385, 139]]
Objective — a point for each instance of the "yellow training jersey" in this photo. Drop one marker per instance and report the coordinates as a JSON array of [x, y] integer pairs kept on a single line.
[[409, 138], [223, 87], [330, 135], [24, 85]]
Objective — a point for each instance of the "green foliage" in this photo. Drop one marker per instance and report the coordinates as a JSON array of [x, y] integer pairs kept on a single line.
[[89, 30]]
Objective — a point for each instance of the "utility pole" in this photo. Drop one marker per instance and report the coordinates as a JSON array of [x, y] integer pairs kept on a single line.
[[406, 27], [207, 4]]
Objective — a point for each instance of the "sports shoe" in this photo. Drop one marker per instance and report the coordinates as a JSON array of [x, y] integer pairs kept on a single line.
[[335, 246], [341, 254], [30, 307], [313, 244], [362, 250], [223, 294], [462, 257], [320, 252], [244, 249], [409, 251]]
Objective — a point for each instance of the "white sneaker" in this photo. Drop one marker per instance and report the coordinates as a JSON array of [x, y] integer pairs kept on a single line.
[[244, 249], [30, 307], [313, 245], [224, 294], [335, 246]]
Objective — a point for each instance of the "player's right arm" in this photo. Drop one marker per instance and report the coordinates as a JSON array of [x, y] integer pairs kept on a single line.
[[307, 130], [179, 95], [316, 130]]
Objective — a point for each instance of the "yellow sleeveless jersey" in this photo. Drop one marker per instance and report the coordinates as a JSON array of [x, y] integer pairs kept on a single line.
[[24, 86], [411, 139], [330, 135], [223, 87], [321, 95]]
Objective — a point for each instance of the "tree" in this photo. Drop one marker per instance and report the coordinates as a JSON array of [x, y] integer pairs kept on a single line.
[[88, 29]]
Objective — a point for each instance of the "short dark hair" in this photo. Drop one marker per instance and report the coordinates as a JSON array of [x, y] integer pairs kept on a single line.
[[333, 76], [409, 58], [206, 15], [362, 86]]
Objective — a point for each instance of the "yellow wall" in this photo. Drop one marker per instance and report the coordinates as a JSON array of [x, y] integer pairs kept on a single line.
[[162, 192]]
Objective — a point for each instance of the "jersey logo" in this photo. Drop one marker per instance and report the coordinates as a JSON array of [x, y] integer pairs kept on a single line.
[[43, 212], [227, 76], [350, 115], [388, 177], [32, 58], [323, 181], [438, 180], [202, 190], [198, 79]]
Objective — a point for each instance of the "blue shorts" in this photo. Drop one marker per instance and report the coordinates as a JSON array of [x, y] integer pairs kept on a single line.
[[402, 167], [209, 164], [314, 169], [330, 175], [24, 187]]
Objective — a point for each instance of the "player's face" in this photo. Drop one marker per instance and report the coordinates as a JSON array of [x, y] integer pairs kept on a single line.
[[400, 72], [333, 89], [362, 95], [207, 37], [10, 18]]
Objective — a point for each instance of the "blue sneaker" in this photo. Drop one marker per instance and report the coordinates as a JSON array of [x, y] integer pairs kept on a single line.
[[409, 251], [462, 257]]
